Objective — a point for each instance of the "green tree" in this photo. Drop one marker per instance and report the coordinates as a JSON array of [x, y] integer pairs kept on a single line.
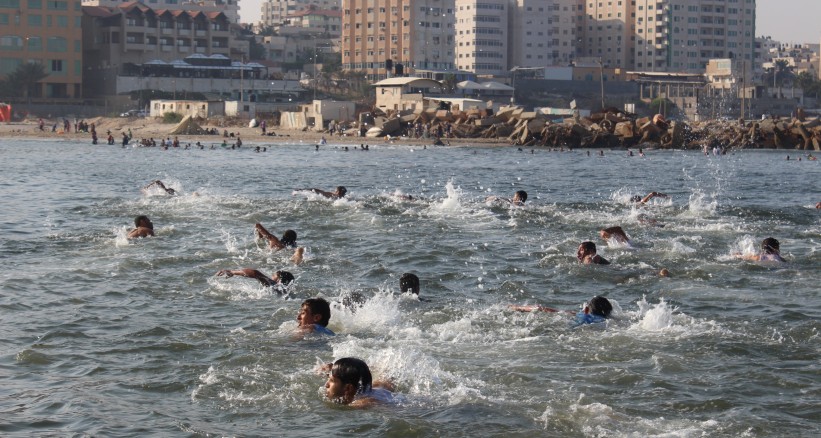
[[25, 77]]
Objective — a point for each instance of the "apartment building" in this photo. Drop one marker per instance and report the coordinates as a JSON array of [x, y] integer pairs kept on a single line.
[[545, 32], [133, 34], [325, 21], [609, 32], [413, 34], [683, 35], [482, 36], [48, 32], [228, 7], [276, 12]]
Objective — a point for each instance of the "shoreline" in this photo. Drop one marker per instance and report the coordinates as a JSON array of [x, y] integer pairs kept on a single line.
[[144, 128]]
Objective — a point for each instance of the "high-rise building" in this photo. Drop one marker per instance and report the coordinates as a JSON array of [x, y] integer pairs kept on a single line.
[[609, 32], [275, 12], [416, 34], [482, 36], [49, 33], [683, 35], [228, 7], [545, 32]]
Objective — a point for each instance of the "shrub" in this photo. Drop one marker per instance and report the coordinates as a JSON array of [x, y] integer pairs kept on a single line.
[[171, 118]]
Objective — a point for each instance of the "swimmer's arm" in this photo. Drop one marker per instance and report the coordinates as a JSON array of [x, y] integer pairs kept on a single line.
[[537, 308], [273, 241], [318, 192], [748, 257], [651, 195], [140, 232], [246, 272]]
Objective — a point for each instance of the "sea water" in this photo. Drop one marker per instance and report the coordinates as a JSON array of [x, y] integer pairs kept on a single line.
[[105, 336]]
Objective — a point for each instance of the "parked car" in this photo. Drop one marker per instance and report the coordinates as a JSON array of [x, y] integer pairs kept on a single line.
[[134, 113]]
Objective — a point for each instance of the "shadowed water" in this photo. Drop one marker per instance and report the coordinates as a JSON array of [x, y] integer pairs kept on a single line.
[[109, 337]]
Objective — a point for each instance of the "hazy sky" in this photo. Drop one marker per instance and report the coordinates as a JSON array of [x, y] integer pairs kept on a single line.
[[788, 21]]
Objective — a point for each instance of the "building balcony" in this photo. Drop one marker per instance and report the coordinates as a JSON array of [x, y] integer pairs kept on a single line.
[[167, 31], [183, 49], [183, 31], [200, 33], [200, 49], [166, 48]]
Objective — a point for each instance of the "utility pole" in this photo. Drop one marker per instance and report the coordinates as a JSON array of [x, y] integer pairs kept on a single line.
[[601, 79]]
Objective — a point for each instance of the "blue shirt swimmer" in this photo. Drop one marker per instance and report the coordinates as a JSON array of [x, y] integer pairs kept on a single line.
[[314, 315], [595, 311]]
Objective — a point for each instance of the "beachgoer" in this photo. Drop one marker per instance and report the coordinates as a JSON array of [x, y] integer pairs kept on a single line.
[[288, 239], [616, 233], [409, 282], [314, 315], [336, 194], [279, 280], [350, 383], [587, 255], [650, 196], [595, 311], [519, 198], [770, 252], [160, 184], [144, 227]]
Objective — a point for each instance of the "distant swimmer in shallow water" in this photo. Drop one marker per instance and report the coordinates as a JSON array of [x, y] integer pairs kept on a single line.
[[615, 233], [314, 315], [144, 228], [595, 311], [818, 205], [288, 239], [350, 383], [339, 193], [650, 196], [280, 280], [770, 252], [159, 184], [518, 199], [587, 255]]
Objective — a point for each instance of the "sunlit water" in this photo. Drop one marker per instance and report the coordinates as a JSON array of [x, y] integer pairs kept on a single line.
[[109, 337]]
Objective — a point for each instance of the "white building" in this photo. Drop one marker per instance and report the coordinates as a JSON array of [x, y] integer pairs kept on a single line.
[[482, 40], [545, 32], [275, 12]]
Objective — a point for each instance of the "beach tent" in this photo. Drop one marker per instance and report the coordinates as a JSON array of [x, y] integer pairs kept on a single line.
[[5, 112]]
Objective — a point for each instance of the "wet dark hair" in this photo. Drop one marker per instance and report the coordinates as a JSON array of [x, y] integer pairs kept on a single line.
[[600, 306], [770, 246], [635, 198], [409, 281], [588, 246], [285, 277], [353, 371], [522, 195], [353, 300], [341, 190], [319, 306], [289, 238], [139, 219]]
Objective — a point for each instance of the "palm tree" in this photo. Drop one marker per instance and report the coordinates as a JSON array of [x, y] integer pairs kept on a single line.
[[780, 74], [26, 76]]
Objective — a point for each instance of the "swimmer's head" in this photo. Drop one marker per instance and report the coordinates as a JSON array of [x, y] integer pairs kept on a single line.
[[349, 376], [143, 221], [408, 282], [585, 249], [284, 277], [770, 246], [340, 191], [664, 273], [599, 306], [315, 307], [289, 238], [520, 197], [635, 198]]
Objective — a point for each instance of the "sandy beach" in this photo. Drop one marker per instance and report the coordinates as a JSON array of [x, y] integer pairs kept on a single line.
[[154, 128]]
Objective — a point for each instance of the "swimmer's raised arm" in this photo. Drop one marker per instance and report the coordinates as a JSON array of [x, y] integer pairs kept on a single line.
[[247, 272], [651, 195], [273, 241], [160, 184]]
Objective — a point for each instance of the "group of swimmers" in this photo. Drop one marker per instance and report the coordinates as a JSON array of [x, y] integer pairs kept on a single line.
[[349, 380]]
